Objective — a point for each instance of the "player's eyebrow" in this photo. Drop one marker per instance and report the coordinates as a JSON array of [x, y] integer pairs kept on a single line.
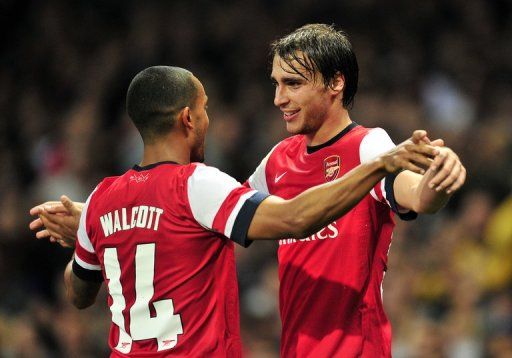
[[288, 78], [293, 79]]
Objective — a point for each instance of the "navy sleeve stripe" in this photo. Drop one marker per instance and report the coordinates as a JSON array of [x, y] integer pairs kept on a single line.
[[390, 196], [86, 275], [244, 218]]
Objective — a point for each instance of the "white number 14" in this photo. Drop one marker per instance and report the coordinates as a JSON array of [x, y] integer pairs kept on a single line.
[[165, 326]]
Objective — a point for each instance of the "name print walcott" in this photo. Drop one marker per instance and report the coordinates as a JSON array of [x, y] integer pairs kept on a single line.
[[142, 216]]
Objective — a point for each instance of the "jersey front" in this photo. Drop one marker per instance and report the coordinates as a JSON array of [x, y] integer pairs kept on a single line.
[[330, 282], [161, 237]]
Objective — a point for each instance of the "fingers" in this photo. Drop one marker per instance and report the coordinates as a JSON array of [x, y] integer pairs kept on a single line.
[[418, 159], [36, 224], [438, 161], [408, 165], [69, 205], [451, 178], [419, 136], [43, 234], [53, 223], [447, 165], [36, 210], [423, 149], [451, 173], [459, 182], [437, 143], [56, 208]]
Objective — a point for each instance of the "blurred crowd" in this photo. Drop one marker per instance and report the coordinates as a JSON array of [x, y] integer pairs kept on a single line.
[[441, 65]]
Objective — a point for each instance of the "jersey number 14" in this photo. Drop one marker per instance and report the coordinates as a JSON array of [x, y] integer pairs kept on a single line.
[[165, 326]]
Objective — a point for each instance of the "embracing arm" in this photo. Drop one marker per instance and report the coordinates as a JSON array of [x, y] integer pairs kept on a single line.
[[318, 206]]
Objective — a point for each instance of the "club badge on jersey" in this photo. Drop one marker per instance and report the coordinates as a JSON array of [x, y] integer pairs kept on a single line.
[[332, 165]]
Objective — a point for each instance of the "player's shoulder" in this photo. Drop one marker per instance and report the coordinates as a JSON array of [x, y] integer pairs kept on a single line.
[[289, 145], [104, 185], [363, 134], [206, 175], [359, 132]]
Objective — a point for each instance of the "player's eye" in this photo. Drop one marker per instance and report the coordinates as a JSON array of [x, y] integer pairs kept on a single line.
[[293, 83]]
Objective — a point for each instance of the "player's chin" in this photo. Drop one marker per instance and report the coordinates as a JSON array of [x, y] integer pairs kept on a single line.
[[294, 127]]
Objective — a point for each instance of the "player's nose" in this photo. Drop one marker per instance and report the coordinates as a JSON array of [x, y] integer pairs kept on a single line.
[[280, 97]]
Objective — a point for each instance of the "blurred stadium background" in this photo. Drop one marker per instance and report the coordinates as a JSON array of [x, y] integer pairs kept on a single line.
[[442, 65]]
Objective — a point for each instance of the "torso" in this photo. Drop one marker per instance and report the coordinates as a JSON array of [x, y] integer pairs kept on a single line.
[[330, 282]]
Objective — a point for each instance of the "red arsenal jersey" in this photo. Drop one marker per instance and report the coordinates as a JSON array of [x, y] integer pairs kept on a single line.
[[161, 237], [330, 282]]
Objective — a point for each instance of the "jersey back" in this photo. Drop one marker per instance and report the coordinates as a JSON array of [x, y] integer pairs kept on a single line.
[[160, 238]]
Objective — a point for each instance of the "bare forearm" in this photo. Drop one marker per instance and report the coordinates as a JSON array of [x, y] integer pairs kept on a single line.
[[428, 200], [81, 294], [348, 191]]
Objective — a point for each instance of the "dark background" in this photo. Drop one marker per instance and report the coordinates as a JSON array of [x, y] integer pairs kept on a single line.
[[441, 65]]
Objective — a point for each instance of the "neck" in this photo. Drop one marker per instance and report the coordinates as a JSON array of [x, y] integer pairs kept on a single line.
[[161, 151], [332, 125]]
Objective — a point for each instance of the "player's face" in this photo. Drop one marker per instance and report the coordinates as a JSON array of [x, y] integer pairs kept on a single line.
[[201, 122], [303, 101]]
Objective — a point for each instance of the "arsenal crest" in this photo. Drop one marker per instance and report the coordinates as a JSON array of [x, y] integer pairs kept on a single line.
[[332, 167]]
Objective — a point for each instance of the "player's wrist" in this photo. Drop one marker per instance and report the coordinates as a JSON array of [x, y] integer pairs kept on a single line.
[[378, 165]]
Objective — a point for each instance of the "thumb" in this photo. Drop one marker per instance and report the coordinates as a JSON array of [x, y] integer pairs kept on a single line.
[[73, 210]]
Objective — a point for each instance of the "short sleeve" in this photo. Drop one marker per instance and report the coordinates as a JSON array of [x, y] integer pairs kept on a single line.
[[220, 203], [86, 265], [376, 142], [258, 179]]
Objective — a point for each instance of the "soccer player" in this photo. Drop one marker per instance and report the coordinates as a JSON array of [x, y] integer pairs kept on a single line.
[[331, 281], [161, 235]]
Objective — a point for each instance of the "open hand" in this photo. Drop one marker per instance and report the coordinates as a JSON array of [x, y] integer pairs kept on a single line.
[[57, 221], [450, 174]]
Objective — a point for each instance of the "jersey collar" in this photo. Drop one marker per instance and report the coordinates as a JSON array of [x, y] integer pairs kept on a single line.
[[151, 166], [313, 148]]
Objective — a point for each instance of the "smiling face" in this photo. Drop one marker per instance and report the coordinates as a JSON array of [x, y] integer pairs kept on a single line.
[[302, 97]]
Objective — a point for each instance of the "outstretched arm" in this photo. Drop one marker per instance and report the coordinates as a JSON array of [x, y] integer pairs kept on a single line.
[[318, 206]]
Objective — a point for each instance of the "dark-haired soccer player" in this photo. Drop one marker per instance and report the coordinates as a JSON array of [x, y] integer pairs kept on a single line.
[[330, 282], [161, 235]]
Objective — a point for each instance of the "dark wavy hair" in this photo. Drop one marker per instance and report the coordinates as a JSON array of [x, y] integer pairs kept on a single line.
[[320, 48]]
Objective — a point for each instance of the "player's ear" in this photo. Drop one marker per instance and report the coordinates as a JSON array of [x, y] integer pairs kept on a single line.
[[185, 118], [338, 83]]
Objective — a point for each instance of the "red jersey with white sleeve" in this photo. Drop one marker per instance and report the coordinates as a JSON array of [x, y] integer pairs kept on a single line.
[[330, 282], [161, 237]]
